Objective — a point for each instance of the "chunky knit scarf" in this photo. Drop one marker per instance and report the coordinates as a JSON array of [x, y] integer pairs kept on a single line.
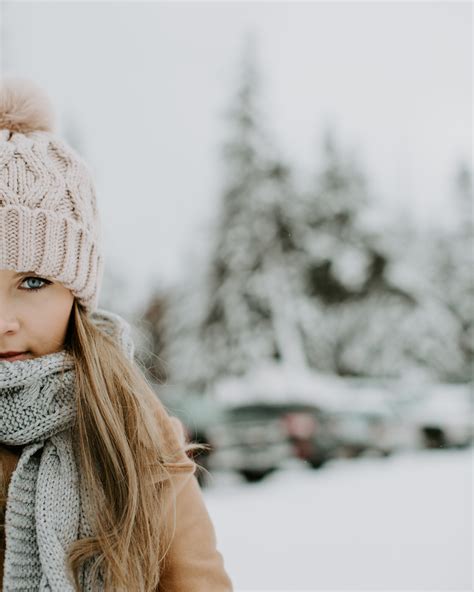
[[46, 505]]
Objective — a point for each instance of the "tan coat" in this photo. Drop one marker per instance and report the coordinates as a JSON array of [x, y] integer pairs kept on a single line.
[[193, 563]]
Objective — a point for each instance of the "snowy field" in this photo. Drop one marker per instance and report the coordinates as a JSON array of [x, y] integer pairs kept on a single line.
[[402, 523]]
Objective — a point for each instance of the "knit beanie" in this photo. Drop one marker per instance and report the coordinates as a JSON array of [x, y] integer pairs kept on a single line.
[[49, 222]]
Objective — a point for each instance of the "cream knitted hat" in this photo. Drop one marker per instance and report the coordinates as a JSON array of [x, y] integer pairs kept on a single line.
[[49, 221]]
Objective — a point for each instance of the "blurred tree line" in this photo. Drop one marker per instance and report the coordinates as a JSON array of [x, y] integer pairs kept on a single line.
[[305, 276]]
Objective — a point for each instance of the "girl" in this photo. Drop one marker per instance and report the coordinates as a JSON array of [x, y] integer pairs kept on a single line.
[[97, 489]]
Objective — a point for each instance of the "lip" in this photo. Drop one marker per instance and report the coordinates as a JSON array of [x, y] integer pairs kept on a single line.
[[13, 356]]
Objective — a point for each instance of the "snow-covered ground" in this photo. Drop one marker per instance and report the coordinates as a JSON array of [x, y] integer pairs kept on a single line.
[[402, 523]]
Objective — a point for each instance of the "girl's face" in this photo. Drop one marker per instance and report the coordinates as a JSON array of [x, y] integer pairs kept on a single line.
[[34, 314]]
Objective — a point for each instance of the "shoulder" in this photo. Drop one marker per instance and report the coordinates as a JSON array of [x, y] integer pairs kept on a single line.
[[173, 443]]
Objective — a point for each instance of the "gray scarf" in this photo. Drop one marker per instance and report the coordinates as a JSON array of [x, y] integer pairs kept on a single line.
[[46, 505]]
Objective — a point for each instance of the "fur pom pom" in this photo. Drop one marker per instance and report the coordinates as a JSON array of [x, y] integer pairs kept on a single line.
[[24, 107]]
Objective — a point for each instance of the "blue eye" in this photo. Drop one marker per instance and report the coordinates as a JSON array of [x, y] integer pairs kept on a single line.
[[35, 289]]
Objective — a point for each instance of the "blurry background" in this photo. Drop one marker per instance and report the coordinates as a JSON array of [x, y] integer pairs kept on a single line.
[[286, 199]]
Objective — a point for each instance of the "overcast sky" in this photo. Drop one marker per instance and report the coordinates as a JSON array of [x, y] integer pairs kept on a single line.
[[145, 86]]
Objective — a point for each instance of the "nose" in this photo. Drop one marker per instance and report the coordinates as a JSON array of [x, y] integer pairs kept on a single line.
[[7, 324]]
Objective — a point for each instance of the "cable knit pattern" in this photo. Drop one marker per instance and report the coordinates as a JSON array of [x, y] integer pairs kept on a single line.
[[46, 505], [49, 220]]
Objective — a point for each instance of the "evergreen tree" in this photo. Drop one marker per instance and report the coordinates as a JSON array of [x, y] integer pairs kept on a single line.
[[302, 278], [247, 313], [354, 305], [449, 260]]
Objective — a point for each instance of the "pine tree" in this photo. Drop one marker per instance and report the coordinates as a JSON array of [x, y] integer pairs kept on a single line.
[[247, 313], [354, 306], [449, 262]]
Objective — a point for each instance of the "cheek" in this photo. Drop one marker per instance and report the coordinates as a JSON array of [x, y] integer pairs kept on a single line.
[[48, 323]]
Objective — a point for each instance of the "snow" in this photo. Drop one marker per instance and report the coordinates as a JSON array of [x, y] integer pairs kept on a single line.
[[273, 381], [442, 407], [367, 524]]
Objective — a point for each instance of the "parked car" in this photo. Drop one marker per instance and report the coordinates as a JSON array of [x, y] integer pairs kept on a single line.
[[305, 426], [361, 432], [248, 442], [363, 418], [443, 416], [251, 444]]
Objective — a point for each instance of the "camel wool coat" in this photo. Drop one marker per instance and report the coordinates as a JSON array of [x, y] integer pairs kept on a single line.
[[192, 563]]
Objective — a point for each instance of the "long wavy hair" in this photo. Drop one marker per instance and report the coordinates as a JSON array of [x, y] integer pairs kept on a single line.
[[122, 455]]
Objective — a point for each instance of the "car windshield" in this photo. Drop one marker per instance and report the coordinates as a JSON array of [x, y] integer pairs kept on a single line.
[[269, 410]]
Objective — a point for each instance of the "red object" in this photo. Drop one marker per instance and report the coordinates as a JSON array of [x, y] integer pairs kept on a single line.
[[300, 425]]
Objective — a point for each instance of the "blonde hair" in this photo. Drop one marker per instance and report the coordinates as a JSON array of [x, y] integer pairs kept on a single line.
[[122, 452]]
